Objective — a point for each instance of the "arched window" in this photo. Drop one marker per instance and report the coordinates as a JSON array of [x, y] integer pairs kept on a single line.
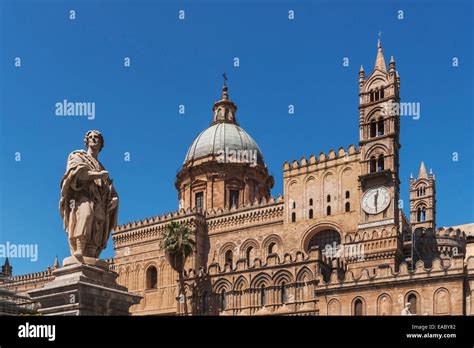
[[323, 238], [348, 207], [373, 164], [229, 257], [222, 300], [293, 217], [358, 307], [248, 254], [423, 214], [380, 127], [293, 205], [328, 210], [414, 302], [348, 194], [263, 296], [271, 248], [311, 213], [205, 302], [373, 129], [418, 214], [310, 201], [371, 96], [283, 292], [328, 198], [381, 93], [151, 278], [380, 163], [418, 192]]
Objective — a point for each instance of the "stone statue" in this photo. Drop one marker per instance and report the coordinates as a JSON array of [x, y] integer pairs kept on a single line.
[[89, 202], [406, 310]]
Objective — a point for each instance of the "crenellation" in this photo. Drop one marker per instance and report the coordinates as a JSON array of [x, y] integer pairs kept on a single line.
[[323, 161]]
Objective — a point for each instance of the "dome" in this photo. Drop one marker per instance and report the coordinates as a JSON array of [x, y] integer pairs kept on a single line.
[[224, 137]]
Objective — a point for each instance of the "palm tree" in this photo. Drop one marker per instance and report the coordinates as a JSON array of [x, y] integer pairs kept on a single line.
[[178, 244]]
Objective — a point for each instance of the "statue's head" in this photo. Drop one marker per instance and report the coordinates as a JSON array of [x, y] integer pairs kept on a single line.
[[94, 140]]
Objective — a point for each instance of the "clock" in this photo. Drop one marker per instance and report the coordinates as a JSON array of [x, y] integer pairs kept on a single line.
[[375, 200]]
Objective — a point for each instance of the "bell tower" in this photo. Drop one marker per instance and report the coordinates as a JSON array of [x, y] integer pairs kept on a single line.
[[379, 121], [379, 146], [423, 200]]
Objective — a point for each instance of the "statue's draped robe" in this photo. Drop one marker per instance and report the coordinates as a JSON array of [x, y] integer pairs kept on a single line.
[[83, 204]]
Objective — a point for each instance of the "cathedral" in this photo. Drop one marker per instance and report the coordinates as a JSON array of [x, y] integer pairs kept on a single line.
[[336, 243]]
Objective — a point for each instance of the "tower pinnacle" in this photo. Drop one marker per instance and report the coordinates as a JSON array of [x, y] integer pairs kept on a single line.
[[422, 173], [380, 60]]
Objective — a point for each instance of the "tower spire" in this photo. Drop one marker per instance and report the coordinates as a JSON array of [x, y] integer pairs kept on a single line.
[[422, 173], [380, 60]]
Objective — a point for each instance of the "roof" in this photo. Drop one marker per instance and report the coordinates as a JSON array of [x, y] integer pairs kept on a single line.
[[224, 137]]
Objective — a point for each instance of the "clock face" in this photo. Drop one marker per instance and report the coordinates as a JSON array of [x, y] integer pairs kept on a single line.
[[375, 200]]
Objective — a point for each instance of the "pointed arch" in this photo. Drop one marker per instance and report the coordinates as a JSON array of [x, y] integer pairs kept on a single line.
[[249, 250], [334, 307], [376, 150], [282, 276], [384, 304], [358, 306], [272, 244], [304, 274], [240, 284], [222, 284], [414, 298], [261, 279], [442, 302]]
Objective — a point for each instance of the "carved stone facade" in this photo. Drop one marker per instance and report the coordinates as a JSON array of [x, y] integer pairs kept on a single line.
[[336, 243]]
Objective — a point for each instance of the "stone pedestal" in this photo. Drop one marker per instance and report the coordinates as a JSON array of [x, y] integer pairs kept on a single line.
[[84, 289]]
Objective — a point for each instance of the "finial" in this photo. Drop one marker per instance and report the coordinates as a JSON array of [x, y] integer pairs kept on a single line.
[[411, 175], [379, 43], [224, 88], [361, 69], [224, 75]]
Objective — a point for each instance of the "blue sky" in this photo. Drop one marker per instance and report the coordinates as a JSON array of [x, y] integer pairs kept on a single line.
[[177, 62]]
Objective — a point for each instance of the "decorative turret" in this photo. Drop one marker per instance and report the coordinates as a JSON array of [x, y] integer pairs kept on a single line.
[[392, 68], [361, 77]]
